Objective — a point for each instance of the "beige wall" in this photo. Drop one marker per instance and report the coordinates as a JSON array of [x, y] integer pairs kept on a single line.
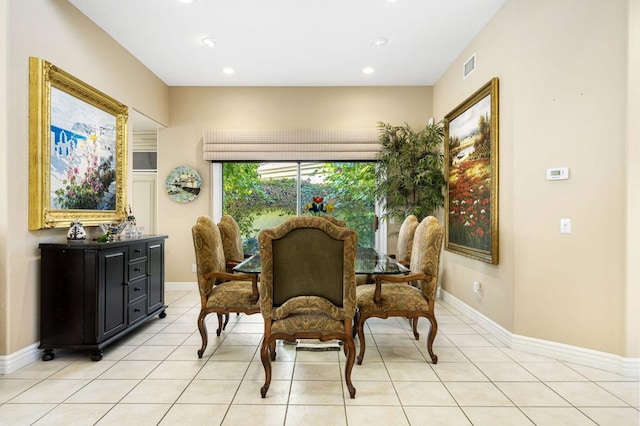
[[194, 109], [632, 296], [4, 154], [57, 32], [562, 69]]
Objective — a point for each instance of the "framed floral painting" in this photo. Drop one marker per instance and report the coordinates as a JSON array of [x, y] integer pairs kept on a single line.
[[77, 151], [471, 169]]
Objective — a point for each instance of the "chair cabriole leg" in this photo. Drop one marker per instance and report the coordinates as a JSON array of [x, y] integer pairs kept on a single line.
[[265, 357], [431, 337], [220, 323], [414, 325], [350, 352], [360, 328], [226, 321], [202, 327]]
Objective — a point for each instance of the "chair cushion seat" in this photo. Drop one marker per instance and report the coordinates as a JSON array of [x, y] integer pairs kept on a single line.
[[313, 323], [311, 305], [395, 297], [232, 295]]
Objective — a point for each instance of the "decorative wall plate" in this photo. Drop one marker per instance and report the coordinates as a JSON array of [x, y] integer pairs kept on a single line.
[[183, 184]]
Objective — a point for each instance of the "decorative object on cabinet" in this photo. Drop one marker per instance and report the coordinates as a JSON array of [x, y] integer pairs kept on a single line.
[[183, 184], [471, 168], [131, 229], [77, 151], [76, 231], [93, 294], [111, 231]]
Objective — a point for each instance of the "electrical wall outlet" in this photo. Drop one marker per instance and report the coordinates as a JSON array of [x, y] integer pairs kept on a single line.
[[565, 226], [194, 268], [477, 287]]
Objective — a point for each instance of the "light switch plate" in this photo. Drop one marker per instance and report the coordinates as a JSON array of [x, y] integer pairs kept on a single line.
[[565, 226]]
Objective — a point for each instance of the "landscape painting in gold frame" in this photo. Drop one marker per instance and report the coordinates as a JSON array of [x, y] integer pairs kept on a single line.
[[77, 151], [471, 169]]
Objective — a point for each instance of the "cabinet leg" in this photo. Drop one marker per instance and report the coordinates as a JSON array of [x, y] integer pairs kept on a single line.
[[96, 356], [48, 355], [162, 314]]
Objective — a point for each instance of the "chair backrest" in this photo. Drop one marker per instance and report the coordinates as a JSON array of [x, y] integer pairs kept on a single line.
[[207, 244], [337, 222], [425, 254], [405, 238], [307, 256], [231, 238]]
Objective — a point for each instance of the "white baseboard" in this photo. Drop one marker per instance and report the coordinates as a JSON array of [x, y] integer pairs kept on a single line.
[[629, 367], [177, 286], [25, 356], [496, 330]]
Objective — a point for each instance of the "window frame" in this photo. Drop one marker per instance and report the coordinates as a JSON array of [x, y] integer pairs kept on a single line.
[[217, 192]]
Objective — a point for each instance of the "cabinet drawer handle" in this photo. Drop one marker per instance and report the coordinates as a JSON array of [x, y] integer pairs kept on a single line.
[[136, 310], [137, 289], [137, 269], [137, 251]]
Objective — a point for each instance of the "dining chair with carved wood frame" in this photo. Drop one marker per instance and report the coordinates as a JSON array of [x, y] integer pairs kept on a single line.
[[307, 287], [405, 240], [221, 292], [411, 296], [231, 242]]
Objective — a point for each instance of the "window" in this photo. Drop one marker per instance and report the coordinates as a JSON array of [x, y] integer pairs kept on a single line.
[[145, 161], [263, 195]]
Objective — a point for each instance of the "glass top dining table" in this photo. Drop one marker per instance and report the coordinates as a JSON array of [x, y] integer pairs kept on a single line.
[[368, 262]]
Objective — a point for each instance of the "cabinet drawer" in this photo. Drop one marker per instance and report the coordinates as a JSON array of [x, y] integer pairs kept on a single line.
[[137, 310], [137, 289], [137, 269], [137, 251]]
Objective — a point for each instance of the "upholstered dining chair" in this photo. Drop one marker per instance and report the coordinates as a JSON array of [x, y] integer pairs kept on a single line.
[[412, 295], [307, 287], [231, 241], [220, 292], [405, 240]]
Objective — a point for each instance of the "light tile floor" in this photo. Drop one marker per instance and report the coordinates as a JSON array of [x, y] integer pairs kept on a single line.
[[154, 377]]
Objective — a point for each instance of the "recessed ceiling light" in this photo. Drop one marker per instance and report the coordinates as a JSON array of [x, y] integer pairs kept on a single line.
[[367, 70], [392, 1], [228, 70], [186, 1], [380, 41], [208, 41]]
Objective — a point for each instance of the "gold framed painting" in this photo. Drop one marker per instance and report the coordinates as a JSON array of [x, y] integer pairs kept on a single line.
[[77, 151], [471, 169]]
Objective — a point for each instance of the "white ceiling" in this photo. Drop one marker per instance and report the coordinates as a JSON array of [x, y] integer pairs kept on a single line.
[[293, 42]]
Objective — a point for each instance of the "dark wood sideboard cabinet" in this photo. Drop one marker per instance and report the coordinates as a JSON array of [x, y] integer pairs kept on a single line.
[[92, 294]]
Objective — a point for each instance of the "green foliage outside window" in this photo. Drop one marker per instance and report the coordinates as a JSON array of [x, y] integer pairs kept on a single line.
[[349, 186]]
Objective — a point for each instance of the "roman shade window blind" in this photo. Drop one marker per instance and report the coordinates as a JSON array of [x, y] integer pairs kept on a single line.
[[290, 145]]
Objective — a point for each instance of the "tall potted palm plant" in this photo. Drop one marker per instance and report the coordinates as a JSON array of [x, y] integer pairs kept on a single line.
[[410, 178]]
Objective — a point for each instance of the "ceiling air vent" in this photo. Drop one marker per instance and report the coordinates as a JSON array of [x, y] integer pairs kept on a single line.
[[469, 66]]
